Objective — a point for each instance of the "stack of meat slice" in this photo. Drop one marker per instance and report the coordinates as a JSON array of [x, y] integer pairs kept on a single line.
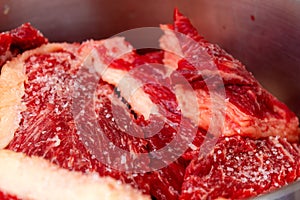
[[101, 109]]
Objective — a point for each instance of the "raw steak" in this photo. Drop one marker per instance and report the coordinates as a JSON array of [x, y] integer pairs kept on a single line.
[[47, 128], [164, 183], [19, 40], [250, 109], [240, 168], [93, 108]]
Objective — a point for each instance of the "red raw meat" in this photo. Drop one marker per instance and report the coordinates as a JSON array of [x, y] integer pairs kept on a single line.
[[48, 130], [47, 127], [61, 122], [19, 40], [262, 115], [250, 109], [241, 168], [4, 196], [169, 178]]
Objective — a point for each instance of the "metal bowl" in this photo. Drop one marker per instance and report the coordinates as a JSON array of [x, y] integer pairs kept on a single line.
[[264, 35]]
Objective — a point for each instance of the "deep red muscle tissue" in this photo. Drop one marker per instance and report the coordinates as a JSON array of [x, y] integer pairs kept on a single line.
[[239, 166]]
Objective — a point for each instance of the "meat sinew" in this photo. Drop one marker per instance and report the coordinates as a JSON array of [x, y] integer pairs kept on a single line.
[[98, 109]]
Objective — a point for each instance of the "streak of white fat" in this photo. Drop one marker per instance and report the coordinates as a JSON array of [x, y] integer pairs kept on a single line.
[[132, 90], [113, 76], [95, 62], [169, 42], [117, 47], [224, 75], [192, 146], [236, 112], [134, 175], [186, 98]]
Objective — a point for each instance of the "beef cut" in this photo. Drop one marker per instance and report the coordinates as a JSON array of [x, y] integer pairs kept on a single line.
[[102, 109], [19, 40], [47, 128], [240, 168], [250, 109]]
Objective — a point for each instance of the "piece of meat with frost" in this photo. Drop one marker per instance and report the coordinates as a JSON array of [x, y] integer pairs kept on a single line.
[[241, 167], [47, 127], [56, 77], [163, 183], [148, 96], [165, 98], [19, 40], [113, 68], [250, 109]]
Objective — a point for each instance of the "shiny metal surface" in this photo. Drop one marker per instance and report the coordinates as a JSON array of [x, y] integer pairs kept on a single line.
[[264, 35]]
